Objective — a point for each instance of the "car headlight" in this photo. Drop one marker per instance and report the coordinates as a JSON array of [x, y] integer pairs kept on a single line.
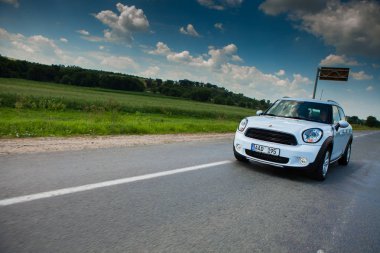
[[312, 135], [242, 125]]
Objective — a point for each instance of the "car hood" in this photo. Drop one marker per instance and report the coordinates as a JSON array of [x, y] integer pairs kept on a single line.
[[288, 125]]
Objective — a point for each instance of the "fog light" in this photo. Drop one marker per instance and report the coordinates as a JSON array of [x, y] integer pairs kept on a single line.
[[303, 160], [238, 147]]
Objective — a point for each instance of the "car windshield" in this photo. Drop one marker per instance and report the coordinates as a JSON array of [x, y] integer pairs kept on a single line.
[[301, 110]]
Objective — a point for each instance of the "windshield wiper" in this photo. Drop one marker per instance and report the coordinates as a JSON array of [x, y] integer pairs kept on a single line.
[[295, 117], [270, 114], [298, 118]]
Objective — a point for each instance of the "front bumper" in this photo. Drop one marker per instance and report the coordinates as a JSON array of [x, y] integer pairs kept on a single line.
[[290, 156]]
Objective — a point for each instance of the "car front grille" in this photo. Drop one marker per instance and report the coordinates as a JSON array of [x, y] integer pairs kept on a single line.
[[271, 136], [266, 157]]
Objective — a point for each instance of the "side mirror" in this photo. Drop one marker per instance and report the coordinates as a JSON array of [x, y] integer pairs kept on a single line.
[[259, 112], [341, 124]]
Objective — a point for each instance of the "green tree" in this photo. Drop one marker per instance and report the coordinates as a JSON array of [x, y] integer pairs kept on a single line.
[[372, 121], [353, 120]]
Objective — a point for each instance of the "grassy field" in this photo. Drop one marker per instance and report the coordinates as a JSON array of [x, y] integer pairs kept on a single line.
[[31, 109], [363, 127], [129, 101], [32, 123]]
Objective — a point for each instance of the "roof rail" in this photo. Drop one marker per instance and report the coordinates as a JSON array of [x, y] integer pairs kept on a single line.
[[332, 101]]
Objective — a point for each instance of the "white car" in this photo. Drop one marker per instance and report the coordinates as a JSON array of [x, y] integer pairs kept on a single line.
[[298, 133]]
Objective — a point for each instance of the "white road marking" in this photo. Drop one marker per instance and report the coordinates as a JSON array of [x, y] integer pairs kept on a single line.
[[64, 191], [361, 135]]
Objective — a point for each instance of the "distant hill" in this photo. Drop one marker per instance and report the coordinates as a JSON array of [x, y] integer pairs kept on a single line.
[[73, 75]]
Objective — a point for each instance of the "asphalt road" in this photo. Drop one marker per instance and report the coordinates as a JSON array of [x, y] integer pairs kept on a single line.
[[230, 207]]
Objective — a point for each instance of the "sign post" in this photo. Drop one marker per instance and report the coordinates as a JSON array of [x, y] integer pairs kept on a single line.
[[332, 74]]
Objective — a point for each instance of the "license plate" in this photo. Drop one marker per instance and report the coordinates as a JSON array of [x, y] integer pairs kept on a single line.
[[265, 149]]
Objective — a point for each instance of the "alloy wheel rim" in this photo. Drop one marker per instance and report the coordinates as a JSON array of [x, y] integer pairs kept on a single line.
[[349, 153], [326, 163]]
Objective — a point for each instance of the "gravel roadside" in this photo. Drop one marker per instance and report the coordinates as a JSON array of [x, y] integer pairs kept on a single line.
[[54, 144]]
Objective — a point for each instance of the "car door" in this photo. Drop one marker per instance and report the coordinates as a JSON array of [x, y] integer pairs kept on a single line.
[[339, 135], [347, 131]]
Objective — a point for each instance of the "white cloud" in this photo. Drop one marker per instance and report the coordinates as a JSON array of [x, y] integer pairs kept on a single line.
[[93, 38], [216, 66], [64, 40], [83, 62], [189, 30], [219, 26], [236, 58], [86, 36], [122, 27], [161, 49], [220, 4], [361, 75], [15, 3], [119, 62], [375, 66], [5, 35], [213, 59], [369, 88], [333, 60], [38, 48], [215, 55], [223, 55], [276, 7], [351, 27], [150, 72], [183, 56], [40, 41], [83, 32], [281, 72], [251, 80], [101, 47], [22, 46]]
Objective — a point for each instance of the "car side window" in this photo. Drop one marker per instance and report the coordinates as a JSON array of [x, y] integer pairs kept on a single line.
[[336, 116], [341, 113]]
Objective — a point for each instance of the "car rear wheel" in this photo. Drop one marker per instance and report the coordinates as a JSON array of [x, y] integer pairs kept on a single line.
[[345, 159], [322, 166]]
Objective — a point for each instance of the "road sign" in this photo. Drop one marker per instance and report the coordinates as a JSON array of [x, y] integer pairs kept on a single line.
[[331, 74], [334, 74]]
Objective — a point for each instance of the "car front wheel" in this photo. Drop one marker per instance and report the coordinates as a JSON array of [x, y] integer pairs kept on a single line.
[[322, 166]]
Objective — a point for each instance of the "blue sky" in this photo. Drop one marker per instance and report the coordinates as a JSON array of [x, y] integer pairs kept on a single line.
[[263, 49]]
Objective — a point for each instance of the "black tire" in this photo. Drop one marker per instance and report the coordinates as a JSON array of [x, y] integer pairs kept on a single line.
[[345, 159], [240, 157], [320, 172]]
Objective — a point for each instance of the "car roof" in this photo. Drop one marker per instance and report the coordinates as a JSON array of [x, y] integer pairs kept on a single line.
[[328, 102]]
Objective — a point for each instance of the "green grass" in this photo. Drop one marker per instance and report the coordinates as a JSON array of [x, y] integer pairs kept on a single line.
[[128, 101], [34, 109], [32, 123]]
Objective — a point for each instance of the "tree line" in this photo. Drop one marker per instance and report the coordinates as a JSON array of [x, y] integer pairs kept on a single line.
[[73, 75], [371, 121]]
